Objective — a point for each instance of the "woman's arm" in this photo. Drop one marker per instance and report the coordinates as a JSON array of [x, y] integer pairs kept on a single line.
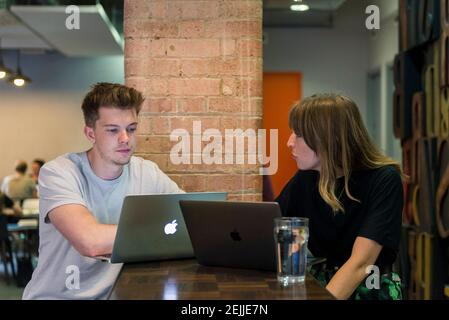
[[351, 274]]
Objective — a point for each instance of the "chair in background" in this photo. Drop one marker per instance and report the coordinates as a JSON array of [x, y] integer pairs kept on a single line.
[[6, 254], [30, 207]]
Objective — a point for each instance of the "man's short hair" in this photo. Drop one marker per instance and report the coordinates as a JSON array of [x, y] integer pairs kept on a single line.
[[40, 162], [109, 95], [21, 167]]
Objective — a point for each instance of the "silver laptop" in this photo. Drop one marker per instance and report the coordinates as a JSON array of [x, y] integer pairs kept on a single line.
[[232, 234], [151, 227]]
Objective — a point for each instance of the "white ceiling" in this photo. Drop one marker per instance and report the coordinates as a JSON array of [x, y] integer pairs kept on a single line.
[[43, 27], [15, 34]]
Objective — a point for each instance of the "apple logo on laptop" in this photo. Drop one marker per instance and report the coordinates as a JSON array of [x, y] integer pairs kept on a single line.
[[170, 228], [235, 235]]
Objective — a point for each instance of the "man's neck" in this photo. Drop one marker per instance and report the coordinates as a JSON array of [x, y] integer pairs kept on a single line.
[[103, 170], [18, 175]]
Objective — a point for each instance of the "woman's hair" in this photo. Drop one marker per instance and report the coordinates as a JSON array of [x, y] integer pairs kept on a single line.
[[332, 127]]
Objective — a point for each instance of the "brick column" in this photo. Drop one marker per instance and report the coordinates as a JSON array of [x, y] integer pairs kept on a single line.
[[197, 61]]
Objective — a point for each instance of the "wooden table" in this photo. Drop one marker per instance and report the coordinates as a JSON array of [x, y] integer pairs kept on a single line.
[[186, 279]]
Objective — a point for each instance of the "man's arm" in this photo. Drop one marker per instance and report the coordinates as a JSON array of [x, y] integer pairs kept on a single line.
[[351, 274], [82, 230]]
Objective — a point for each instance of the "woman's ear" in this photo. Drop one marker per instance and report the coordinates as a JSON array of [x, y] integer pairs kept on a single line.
[[90, 134]]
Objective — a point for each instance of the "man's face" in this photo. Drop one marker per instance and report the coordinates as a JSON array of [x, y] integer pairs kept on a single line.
[[113, 135], [35, 168]]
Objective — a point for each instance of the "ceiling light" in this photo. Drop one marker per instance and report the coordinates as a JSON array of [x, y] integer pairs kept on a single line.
[[18, 79], [19, 82], [299, 7], [4, 72]]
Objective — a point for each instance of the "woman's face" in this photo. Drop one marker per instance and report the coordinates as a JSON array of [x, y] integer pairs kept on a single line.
[[306, 158]]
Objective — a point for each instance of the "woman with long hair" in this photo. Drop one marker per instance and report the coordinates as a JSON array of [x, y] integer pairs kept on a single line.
[[352, 194]]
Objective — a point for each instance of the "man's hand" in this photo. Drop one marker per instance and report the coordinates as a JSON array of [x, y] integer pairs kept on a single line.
[[82, 230]]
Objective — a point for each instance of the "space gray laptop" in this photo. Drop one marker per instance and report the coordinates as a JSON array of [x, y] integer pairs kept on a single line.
[[232, 234], [151, 227]]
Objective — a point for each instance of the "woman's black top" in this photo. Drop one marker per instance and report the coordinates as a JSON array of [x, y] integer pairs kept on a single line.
[[378, 215]]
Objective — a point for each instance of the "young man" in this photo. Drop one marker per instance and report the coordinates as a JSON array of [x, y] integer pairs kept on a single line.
[[81, 195]]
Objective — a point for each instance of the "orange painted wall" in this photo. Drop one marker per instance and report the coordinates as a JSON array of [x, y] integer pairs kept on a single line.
[[280, 91]]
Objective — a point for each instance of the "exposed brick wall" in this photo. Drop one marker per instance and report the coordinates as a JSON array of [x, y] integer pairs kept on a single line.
[[196, 60]]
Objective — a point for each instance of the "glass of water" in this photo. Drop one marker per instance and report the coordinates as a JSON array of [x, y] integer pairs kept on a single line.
[[291, 235]]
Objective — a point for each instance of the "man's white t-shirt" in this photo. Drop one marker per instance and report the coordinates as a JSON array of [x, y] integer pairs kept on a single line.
[[69, 179]]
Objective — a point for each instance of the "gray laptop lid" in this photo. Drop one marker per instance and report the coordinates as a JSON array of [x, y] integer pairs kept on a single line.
[[151, 227], [232, 234]]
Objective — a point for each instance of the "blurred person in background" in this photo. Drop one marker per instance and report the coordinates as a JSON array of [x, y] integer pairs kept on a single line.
[[36, 166], [19, 186]]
